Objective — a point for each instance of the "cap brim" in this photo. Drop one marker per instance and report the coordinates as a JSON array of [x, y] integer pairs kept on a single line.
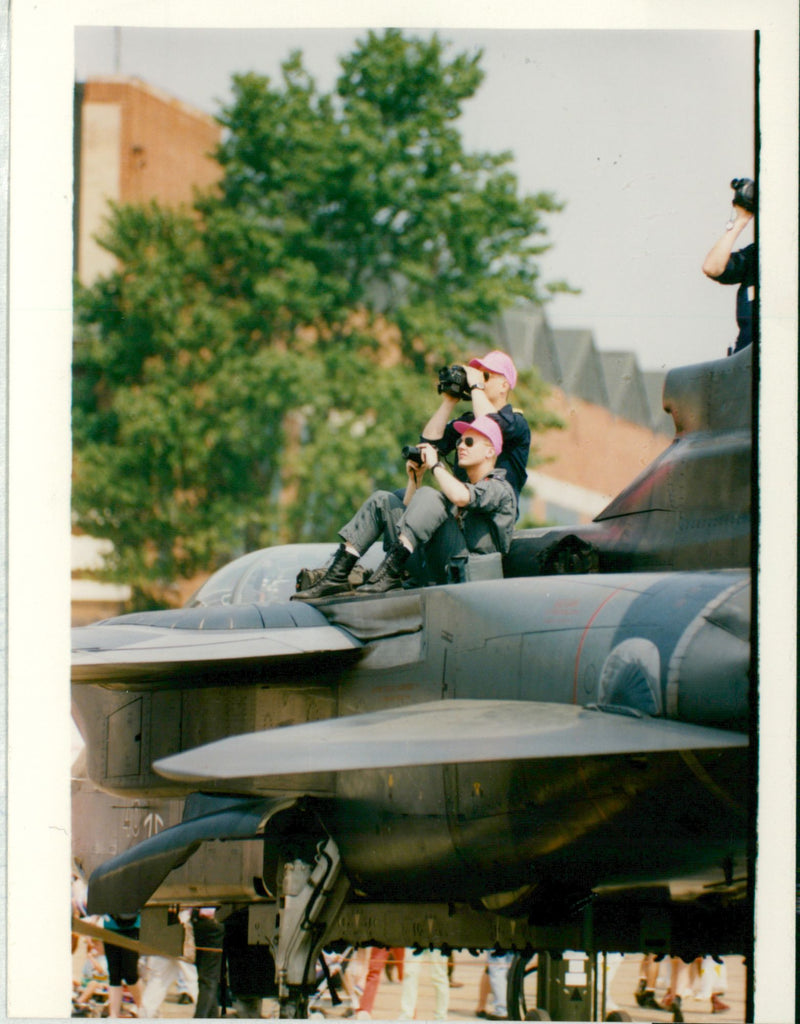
[[462, 427]]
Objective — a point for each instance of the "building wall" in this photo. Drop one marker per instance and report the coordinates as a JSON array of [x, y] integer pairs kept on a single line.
[[99, 182], [587, 463], [92, 600], [136, 144]]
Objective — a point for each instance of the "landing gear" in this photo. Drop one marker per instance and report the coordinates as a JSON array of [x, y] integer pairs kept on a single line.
[[549, 986], [311, 895], [522, 989]]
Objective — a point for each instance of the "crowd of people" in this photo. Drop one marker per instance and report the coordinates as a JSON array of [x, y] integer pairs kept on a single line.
[[364, 970], [117, 980], [705, 979], [349, 983]]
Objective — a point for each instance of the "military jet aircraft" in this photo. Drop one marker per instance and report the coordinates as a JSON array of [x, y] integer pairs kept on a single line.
[[558, 758]]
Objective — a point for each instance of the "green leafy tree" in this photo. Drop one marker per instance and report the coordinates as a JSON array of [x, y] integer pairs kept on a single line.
[[249, 371]]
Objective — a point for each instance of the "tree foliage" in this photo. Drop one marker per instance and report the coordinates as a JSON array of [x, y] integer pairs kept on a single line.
[[250, 370]]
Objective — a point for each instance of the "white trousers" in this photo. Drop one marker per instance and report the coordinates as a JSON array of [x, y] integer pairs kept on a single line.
[[187, 979], [498, 980], [162, 972], [412, 965]]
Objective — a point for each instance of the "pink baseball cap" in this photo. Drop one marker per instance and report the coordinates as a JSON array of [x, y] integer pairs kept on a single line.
[[483, 425], [498, 362]]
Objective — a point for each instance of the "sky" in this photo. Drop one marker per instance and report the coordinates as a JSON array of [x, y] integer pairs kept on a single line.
[[639, 133]]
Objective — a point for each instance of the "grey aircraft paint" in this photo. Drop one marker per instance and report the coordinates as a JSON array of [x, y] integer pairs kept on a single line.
[[490, 757]]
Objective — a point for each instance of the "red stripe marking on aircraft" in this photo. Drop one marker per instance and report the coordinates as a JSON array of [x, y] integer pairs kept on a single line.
[[586, 628]]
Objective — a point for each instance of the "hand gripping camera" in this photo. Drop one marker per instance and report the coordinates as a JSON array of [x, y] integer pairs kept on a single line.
[[453, 381], [744, 193], [411, 453]]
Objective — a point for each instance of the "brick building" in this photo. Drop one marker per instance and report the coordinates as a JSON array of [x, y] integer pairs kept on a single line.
[[133, 143], [588, 462], [615, 424]]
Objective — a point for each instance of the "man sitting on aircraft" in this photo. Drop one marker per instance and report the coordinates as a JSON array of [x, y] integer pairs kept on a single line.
[[473, 516], [488, 381]]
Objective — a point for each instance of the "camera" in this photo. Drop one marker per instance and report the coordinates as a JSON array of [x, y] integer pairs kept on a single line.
[[411, 453], [453, 381], [744, 193]]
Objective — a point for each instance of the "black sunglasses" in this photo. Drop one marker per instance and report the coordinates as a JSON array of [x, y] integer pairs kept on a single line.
[[468, 441]]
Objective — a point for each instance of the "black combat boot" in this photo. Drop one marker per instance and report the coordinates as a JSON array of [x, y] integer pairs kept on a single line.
[[335, 580], [389, 574]]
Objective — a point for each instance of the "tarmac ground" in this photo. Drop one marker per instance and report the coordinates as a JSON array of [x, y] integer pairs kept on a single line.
[[464, 996]]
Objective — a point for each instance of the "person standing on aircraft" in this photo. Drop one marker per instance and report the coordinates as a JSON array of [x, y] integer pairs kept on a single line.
[[489, 381], [476, 516], [740, 267]]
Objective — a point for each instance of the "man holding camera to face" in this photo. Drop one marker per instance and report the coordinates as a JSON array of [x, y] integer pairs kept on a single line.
[[486, 383], [724, 265], [450, 520]]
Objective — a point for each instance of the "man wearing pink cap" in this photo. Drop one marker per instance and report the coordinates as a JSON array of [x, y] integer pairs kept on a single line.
[[473, 515], [489, 380]]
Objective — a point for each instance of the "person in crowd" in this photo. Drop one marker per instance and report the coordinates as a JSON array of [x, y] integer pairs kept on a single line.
[[412, 966], [394, 964], [474, 516], [342, 972], [673, 997], [93, 986], [709, 976], [380, 958], [494, 980], [209, 935], [187, 983], [165, 971], [645, 994], [451, 973], [250, 973], [123, 963]]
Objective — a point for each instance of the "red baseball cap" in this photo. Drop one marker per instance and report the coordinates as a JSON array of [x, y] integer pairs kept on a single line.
[[483, 425], [498, 362]]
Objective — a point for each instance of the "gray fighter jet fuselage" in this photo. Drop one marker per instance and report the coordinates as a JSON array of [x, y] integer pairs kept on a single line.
[[501, 754]]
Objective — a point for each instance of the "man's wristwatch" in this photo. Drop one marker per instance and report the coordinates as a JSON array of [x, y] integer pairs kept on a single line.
[[480, 386]]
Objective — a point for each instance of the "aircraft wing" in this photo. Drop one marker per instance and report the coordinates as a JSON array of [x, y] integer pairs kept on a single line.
[[218, 642], [442, 732]]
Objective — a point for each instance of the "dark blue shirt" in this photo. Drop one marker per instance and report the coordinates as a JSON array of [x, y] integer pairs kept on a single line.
[[516, 445], [742, 269]]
